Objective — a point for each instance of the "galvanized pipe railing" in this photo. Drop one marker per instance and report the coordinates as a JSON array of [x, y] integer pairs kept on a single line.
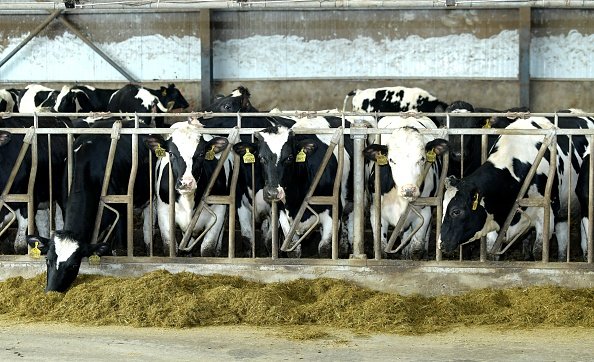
[[586, 132]]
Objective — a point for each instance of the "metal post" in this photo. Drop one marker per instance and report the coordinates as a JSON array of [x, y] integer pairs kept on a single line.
[[206, 64], [483, 241], [130, 195], [358, 189], [32, 177]]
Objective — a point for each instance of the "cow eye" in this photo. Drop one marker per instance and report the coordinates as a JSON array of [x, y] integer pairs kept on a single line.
[[455, 212], [289, 159], [227, 107], [262, 159]]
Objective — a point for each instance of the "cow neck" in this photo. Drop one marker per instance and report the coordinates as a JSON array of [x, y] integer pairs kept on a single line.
[[81, 208], [498, 189]]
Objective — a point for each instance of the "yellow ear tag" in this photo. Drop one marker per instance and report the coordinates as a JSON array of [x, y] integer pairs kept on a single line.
[[431, 156], [475, 201], [159, 151], [248, 157], [35, 253], [381, 159], [487, 124], [300, 156], [94, 259], [210, 155]]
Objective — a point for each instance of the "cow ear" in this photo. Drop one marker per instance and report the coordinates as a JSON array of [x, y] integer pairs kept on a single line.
[[218, 144], [155, 143], [451, 181], [438, 145], [42, 244], [241, 147], [372, 151], [5, 137], [308, 146]]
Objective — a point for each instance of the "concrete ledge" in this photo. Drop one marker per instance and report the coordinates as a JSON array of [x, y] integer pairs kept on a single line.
[[403, 277]]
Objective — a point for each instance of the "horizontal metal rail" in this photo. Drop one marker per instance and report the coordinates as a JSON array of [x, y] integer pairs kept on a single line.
[[433, 201]]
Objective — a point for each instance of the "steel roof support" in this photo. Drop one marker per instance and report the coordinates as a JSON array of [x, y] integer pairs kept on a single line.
[[33, 34]]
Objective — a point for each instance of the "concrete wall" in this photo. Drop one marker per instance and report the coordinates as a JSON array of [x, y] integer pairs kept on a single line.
[[309, 59], [402, 277]]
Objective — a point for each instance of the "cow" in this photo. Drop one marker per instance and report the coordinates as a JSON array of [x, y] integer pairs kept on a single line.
[[469, 148], [135, 98], [10, 146], [83, 98], [9, 100], [66, 248], [288, 164], [239, 101], [36, 98], [193, 156], [403, 157], [477, 205], [396, 99]]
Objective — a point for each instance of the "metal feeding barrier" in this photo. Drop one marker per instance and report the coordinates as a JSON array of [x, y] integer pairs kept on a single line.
[[357, 131]]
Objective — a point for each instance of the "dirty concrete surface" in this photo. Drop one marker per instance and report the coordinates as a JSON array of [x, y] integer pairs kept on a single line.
[[53, 342]]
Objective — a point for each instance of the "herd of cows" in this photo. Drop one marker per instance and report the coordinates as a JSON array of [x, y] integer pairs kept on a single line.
[[279, 164]]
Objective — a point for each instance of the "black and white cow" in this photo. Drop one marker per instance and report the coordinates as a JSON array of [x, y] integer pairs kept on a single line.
[[239, 101], [9, 100], [135, 98], [36, 98], [289, 163], [402, 156], [468, 148], [10, 146], [83, 98], [67, 247], [477, 205], [193, 156], [395, 99]]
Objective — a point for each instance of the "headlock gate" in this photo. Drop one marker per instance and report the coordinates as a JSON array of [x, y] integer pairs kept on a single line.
[[355, 126]]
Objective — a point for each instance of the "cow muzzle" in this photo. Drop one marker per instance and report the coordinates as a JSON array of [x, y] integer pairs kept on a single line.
[[274, 193], [185, 185], [409, 192]]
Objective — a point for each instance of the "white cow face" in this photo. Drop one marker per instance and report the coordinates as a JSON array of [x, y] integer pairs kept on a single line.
[[406, 154]]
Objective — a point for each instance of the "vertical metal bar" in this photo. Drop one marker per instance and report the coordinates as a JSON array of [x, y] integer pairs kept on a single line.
[[274, 229], [151, 205], [32, 177], [359, 191], [483, 241], [32, 35], [51, 184], [91, 45], [206, 64], [440, 193], [336, 193], [377, 205], [524, 29], [130, 195], [546, 235], [590, 203], [69, 142], [232, 204], [172, 224]]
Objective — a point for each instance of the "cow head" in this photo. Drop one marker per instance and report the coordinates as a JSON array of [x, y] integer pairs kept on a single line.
[[464, 215], [406, 154], [187, 150], [274, 150], [64, 253], [71, 100], [172, 98], [237, 101]]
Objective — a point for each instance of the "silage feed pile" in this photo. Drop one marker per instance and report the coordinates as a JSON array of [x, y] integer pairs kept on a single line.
[[162, 299]]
